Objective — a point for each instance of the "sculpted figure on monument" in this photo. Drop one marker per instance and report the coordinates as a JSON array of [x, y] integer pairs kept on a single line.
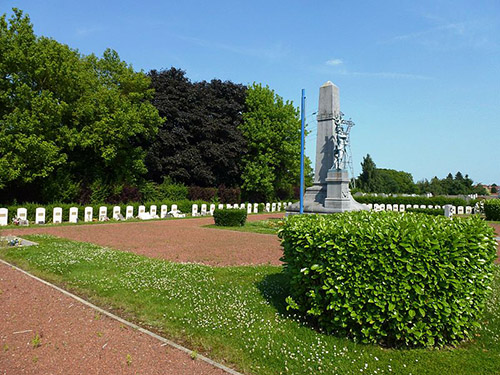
[[341, 140]]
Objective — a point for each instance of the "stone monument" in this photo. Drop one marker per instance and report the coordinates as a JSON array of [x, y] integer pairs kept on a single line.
[[330, 192]]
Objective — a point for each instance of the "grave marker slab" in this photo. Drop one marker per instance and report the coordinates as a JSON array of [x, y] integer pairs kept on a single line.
[[103, 213], [255, 208], [4, 216], [73, 215], [40, 215], [88, 213], [57, 215], [129, 212], [22, 213], [163, 211], [116, 212]]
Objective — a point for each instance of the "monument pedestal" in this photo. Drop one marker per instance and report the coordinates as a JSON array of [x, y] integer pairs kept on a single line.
[[333, 196]]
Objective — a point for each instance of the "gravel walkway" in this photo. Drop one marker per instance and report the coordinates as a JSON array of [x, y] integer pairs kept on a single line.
[[73, 338], [185, 240]]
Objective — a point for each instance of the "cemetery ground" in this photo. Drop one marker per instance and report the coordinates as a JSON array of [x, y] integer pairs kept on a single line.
[[234, 314]]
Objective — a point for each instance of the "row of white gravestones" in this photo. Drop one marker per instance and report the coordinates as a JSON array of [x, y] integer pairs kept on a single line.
[[460, 210]]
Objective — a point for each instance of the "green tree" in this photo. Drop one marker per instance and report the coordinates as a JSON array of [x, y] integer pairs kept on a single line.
[[271, 126], [367, 178], [67, 120]]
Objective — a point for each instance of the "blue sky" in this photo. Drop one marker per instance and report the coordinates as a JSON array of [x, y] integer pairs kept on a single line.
[[421, 79]]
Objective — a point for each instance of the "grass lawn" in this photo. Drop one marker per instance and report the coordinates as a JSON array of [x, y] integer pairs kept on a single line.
[[236, 315], [269, 226]]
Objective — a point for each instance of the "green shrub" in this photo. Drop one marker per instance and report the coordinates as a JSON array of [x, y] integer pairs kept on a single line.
[[173, 191], [387, 277], [230, 218], [427, 211], [492, 209]]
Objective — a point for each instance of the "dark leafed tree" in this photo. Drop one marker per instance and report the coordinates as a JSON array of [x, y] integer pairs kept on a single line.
[[199, 142]]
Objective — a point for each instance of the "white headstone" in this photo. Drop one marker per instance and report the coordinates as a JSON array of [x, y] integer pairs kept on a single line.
[[116, 212], [129, 212], [279, 206], [423, 206], [220, 206], [382, 206], [408, 206], [273, 207], [454, 210], [401, 208], [163, 211], [40, 215], [194, 210], [395, 207], [141, 211], [460, 210], [212, 209], [430, 206], [22, 213], [152, 210], [268, 207], [4, 216], [89, 212], [242, 206], [448, 212], [174, 208], [370, 205], [228, 205], [73, 215], [57, 215], [249, 208], [103, 213], [468, 210], [415, 206], [388, 207], [255, 208], [437, 206], [203, 211], [289, 203]]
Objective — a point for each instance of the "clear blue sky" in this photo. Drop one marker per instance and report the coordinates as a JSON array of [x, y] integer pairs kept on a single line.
[[421, 79]]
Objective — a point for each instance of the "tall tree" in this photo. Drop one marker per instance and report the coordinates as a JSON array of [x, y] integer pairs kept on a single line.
[[271, 126], [67, 120], [367, 178], [199, 143]]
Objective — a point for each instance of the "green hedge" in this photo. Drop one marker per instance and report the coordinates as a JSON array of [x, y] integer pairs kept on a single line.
[[387, 277], [230, 217], [492, 209], [439, 200], [427, 211]]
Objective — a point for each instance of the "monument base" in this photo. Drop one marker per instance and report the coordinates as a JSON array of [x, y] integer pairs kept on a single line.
[[331, 197]]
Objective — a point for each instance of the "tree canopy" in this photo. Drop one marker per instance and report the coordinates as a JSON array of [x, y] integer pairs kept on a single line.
[[67, 119], [199, 142]]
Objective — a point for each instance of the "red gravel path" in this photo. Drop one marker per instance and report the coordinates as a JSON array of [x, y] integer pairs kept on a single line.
[[185, 240], [74, 339]]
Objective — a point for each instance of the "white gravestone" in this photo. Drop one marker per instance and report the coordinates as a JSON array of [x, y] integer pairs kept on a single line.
[[468, 210], [174, 208], [4, 216], [242, 206], [395, 207], [129, 212], [40, 215], [89, 212], [249, 208], [388, 207], [194, 210], [408, 206], [382, 206], [152, 211], [460, 210], [255, 208], [273, 207], [220, 206], [423, 206], [228, 206], [212, 209], [73, 215], [454, 210], [279, 206], [22, 213], [437, 207], [57, 215], [103, 213], [370, 205], [116, 212], [415, 206], [163, 211], [141, 211], [430, 206], [401, 208], [448, 212], [203, 211], [268, 207]]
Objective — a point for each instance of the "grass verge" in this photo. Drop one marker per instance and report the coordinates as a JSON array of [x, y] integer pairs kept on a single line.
[[237, 315]]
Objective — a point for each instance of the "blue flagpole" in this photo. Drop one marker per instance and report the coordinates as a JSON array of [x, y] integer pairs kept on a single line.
[[302, 138]]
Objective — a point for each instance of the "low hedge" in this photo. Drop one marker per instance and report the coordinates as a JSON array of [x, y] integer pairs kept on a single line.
[[427, 211], [230, 217], [388, 277], [492, 209]]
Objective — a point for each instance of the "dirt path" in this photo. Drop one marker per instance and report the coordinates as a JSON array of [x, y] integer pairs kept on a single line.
[[73, 338], [185, 240]]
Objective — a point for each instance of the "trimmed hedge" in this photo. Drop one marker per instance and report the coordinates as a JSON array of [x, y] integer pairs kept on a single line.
[[388, 277], [427, 211], [230, 217], [492, 209], [435, 201]]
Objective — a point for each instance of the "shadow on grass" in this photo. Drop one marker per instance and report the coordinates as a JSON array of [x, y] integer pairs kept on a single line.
[[275, 288]]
